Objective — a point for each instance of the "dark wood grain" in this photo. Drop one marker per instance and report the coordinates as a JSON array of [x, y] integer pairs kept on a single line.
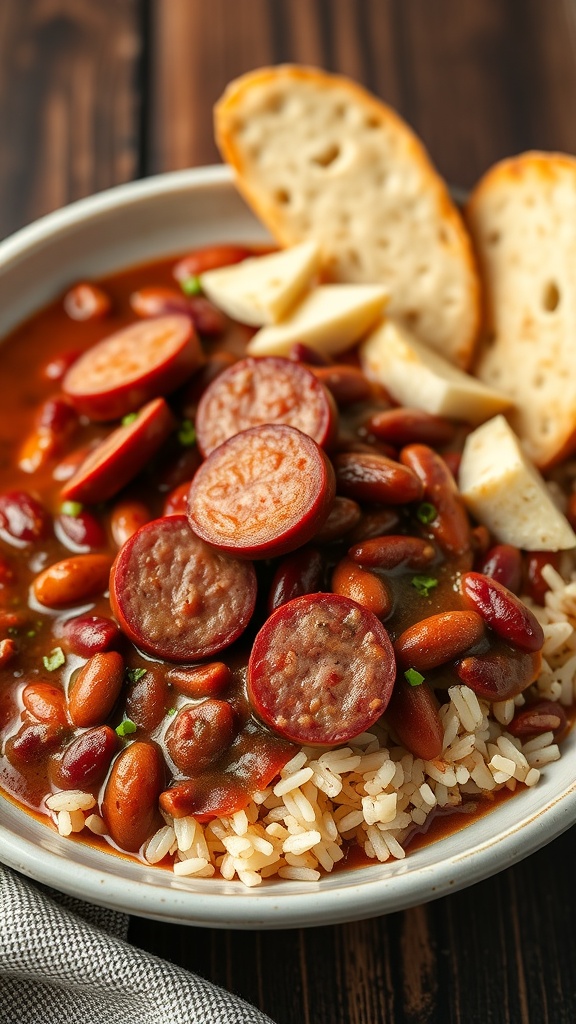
[[93, 92], [68, 102]]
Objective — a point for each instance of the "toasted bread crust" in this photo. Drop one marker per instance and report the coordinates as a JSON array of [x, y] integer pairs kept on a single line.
[[522, 216], [317, 156]]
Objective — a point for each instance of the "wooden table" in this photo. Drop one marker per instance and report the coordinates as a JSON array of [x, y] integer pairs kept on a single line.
[[96, 92]]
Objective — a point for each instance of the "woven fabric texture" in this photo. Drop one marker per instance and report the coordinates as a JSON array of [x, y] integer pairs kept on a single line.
[[67, 962]]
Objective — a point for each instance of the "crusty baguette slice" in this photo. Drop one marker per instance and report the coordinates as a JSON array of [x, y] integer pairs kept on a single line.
[[318, 157], [522, 215]]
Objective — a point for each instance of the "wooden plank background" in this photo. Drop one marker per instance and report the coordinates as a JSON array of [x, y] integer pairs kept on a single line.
[[96, 93]]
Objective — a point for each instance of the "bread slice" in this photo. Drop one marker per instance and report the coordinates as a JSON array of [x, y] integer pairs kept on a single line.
[[318, 157], [522, 216]]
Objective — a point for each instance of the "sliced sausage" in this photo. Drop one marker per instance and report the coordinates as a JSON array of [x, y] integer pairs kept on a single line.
[[119, 374], [321, 670], [268, 390], [177, 598], [121, 455], [262, 493]]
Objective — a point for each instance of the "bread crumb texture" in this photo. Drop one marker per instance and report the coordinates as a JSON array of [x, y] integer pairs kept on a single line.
[[522, 216], [318, 157]]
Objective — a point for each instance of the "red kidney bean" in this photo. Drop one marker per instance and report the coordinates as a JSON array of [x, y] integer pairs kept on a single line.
[[374, 524], [267, 390], [208, 321], [45, 702], [199, 735], [176, 597], [438, 639], [178, 469], [413, 715], [32, 743], [298, 573], [122, 372], [82, 530], [55, 423], [72, 580], [262, 493], [450, 528], [404, 426], [191, 797], [502, 611], [347, 384], [121, 455], [495, 676], [148, 699], [96, 689], [354, 445], [390, 551], [130, 801], [126, 518], [155, 300], [481, 540], [453, 460], [344, 515], [90, 634], [535, 586], [321, 670], [57, 415], [86, 301], [545, 716], [58, 367], [201, 680], [85, 762], [503, 563], [209, 258], [8, 650], [372, 477], [301, 353], [176, 503], [22, 517], [351, 581]]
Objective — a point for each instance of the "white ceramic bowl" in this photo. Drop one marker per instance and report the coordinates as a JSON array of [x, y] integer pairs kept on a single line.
[[131, 224]]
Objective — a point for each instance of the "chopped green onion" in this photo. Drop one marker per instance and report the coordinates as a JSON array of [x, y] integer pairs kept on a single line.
[[12, 631], [413, 677], [191, 285], [126, 728], [71, 508], [134, 674], [31, 633], [171, 711], [424, 584], [129, 418], [426, 513], [187, 434], [54, 660]]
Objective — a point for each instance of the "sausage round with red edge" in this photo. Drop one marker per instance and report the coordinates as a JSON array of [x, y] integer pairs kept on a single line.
[[177, 598], [322, 670], [262, 493]]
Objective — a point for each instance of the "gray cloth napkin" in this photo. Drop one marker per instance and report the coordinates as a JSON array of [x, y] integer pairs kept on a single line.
[[67, 962]]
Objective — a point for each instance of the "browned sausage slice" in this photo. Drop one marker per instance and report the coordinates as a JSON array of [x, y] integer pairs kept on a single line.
[[143, 361], [262, 493], [321, 670], [121, 455], [267, 390], [177, 598]]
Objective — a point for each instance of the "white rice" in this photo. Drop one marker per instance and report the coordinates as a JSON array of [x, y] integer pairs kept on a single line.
[[372, 792]]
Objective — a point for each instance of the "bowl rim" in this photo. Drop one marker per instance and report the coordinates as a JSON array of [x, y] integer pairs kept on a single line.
[[357, 896]]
